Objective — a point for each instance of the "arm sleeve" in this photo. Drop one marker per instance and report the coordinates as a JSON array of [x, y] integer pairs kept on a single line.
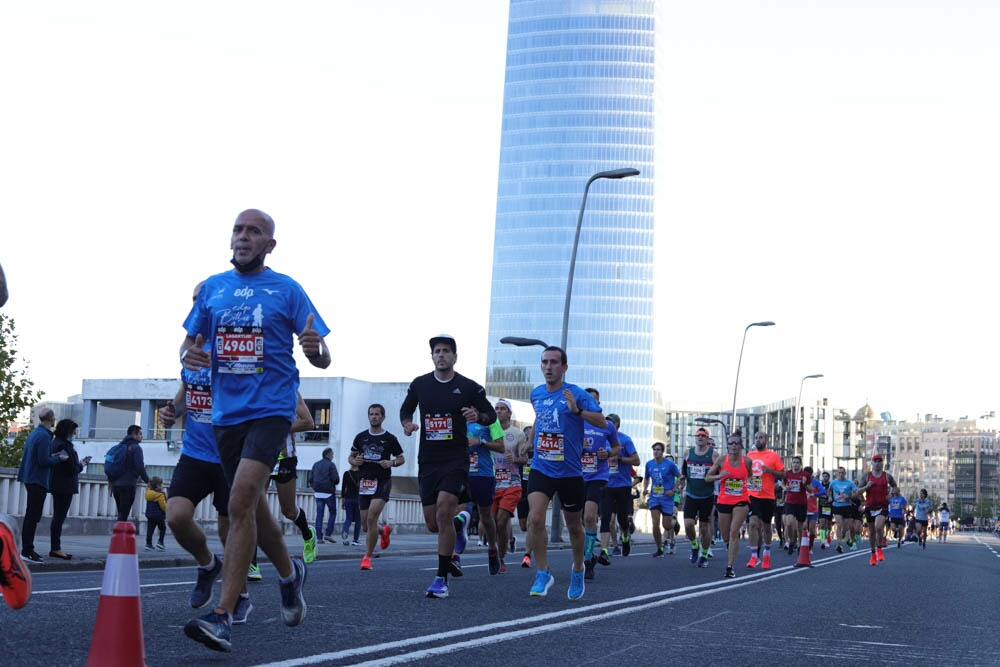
[[487, 414], [409, 404]]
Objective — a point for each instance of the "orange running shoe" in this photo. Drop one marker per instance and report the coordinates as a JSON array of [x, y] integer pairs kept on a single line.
[[366, 563], [384, 536], [874, 559], [766, 562], [752, 563], [879, 554], [15, 578]]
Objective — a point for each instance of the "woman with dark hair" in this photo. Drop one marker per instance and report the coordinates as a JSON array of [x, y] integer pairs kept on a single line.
[[65, 483]]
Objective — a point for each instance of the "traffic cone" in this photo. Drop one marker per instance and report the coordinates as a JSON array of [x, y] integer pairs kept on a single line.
[[804, 551], [117, 640]]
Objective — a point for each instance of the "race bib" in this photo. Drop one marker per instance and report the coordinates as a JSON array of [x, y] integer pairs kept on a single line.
[[367, 487], [755, 483], [550, 447], [239, 350], [502, 475], [733, 487], [438, 428], [589, 462], [697, 471], [657, 489], [473, 461], [198, 401], [794, 485], [875, 512], [613, 466]]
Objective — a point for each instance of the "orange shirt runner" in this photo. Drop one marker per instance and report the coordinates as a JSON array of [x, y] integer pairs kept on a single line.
[[761, 484]]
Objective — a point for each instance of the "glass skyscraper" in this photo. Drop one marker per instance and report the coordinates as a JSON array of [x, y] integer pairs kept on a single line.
[[578, 99]]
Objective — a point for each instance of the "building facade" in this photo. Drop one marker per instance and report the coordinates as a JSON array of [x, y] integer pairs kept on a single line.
[[578, 99]]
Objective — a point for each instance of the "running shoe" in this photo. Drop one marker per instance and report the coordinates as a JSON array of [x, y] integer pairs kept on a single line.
[[658, 553], [503, 567], [160, 547], [293, 605], [148, 547], [543, 582], [840, 549], [879, 554], [588, 568], [626, 546], [617, 551], [603, 558], [253, 574], [355, 543], [494, 558], [694, 555], [15, 578], [461, 537], [874, 559], [765, 562], [702, 561], [202, 591], [822, 545], [242, 611], [309, 547], [455, 566], [576, 585], [710, 554], [854, 547], [212, 630], [383, 535], [752, 563], [438, 588], [730, 572], [366, 562], [526, 561]]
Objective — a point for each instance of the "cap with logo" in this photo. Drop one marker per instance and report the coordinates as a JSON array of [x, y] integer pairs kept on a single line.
[[701, 432], [446, 339]]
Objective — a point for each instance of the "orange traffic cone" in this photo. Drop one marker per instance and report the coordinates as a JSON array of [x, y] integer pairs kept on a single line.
[[804, 560], [117, 640]]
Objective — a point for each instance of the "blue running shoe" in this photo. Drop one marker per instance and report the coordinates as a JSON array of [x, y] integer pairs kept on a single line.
[[438, 589], [576, 585], [461, 537], [543, 582], [694, 555], [202, 591], [242, 611], [703, 561], [293, 605], [212, 630]]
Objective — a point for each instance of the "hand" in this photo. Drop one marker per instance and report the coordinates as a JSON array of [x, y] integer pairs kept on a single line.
[[570, 401], [86, 460], [409, 428], [471, 415], [195, 357], [602, 454], [168, 414], [385, 464], [63, 456], [309, 339]]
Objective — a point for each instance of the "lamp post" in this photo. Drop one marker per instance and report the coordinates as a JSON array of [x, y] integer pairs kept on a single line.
[[795, 429], [613, 174], [740, 363]]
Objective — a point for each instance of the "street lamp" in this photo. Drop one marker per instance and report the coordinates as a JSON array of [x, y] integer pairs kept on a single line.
[[740, 362], [795, 429], [522, 342], [613, 174]]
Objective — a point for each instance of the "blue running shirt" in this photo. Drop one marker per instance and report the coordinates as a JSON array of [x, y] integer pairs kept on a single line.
[[595, 439], [558, 432], [252, 321], [841, 492], [897, 504], [620, 475], [480, 457], [662, 477], [199, 436]]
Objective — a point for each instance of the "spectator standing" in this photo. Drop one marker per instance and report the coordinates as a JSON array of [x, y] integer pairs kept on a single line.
[[351, 504], [156, 512], [65, 483], [35, 473], [123, 486], [324, 479]]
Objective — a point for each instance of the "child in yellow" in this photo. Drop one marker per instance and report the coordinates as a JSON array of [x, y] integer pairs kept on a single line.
[[156, 512]]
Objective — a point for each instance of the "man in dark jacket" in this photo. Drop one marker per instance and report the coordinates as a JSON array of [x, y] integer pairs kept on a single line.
[[123, 488], [35, 473], [324, 479]]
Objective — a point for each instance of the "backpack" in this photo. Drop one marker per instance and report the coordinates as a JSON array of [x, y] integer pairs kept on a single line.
[[115, 461]]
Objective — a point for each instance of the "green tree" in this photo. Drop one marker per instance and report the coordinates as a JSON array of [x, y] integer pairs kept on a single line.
[[17, 394]]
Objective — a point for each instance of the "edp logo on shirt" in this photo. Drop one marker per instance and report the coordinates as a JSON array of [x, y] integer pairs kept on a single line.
[[244, 292]]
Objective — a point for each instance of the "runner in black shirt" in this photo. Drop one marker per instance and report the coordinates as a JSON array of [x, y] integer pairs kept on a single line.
[[377, 451], [448, 402]]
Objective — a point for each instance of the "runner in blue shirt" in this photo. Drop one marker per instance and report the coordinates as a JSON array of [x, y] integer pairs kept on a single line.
[[251, 316], [841, 490], [599, 444], [482, 484], [557, 467], [897, 509], [617, 499], [658, 487], [921, 513]]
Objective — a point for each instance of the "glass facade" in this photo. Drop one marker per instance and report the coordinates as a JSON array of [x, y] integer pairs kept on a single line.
[[578, 99]]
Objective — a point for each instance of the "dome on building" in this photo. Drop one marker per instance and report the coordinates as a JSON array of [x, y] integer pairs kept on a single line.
[[865, 413]]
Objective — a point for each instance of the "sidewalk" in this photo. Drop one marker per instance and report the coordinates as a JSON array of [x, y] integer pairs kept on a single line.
[[90, 551]]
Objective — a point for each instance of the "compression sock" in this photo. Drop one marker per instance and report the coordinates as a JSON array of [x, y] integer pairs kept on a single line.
[[588, 545], [443, 563], [303, 525]]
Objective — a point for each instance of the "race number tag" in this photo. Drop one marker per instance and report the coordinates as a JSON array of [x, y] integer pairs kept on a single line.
[[589, 462], [755, 483], [613, 465], [657, 489], [438, 427], [240, 350], [198, 401], [794, 485], [550, 447], [367, 487], [473, 461], [697, 471], [734, 487], [502, 475]]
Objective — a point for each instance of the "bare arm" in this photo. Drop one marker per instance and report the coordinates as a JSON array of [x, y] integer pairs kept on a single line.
[[303, 418]]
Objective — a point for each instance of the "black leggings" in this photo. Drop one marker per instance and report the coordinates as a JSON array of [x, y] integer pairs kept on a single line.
[[617, 500], [155, 522]]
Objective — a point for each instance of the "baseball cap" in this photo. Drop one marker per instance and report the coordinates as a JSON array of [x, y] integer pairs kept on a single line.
[[701, 432], [503, 401], [877, 457], [444, 338]]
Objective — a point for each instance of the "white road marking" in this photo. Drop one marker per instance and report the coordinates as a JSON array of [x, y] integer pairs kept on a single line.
[[97, 588]]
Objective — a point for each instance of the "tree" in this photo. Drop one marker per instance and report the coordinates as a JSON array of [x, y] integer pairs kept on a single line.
[[17, 393]]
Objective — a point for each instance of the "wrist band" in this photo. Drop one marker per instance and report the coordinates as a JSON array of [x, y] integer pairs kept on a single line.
[[185, 353]]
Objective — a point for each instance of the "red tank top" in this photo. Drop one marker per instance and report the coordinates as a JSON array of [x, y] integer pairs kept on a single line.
[[733, 487], [877, 495], [795, 487]]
